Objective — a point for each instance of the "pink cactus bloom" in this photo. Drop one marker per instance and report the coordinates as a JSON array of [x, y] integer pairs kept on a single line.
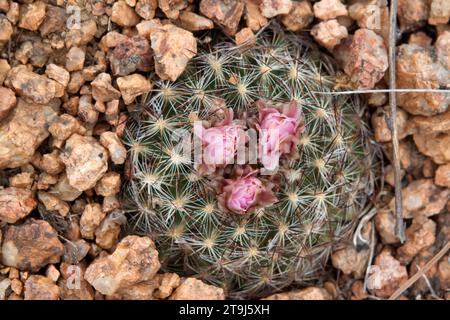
[[279, 132], [245, 193], [242, 193], [219, 143]]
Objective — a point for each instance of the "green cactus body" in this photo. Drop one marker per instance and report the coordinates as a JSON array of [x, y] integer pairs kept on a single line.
[[319, 193]]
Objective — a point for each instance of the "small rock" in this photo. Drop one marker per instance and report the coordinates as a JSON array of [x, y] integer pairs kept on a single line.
[[31, 245], [13, 13], [364, 58], [329, 9], [31, 86], [420, 38], [140, 291], [420, 235], [40, 288], [443, 272], [86, 161], [351, 261], [32, 15], [107, 234], [108, 185], [130, 55], [135, 260], [15, 204], [16, 287], [76, 81], [133, 86], [367, 15], [64, 191], [113, 38], [117, 151], [55, 20], [442, 48], [4, 285], [53, 204], [173, 48], [245, 36], [411, 61], [64, 126], [75, 59], [443, 176], [431, 125], [329, 33], [168, 282], [225, 13], [434, 146], [385, 224], [75, 251], [272, 8], [300, 16], [24, 131], [8, 101], [439, 12], [382, 133], [102, 90], [422, 198], [172, 8], [52, 273], [6, 30], [91, 218], [146, 8], [124, 15], [358, 291], [147, 27], [57, 73], [311, 293], [412, 13], [86, 110], [253, 16], [194, 289], [386, 275], [112, 112], [193, 22], [22, 180], [4, 69], [72, 284], [110, 204]]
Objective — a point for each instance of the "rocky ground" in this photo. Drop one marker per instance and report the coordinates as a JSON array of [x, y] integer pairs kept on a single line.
[[71, 70]]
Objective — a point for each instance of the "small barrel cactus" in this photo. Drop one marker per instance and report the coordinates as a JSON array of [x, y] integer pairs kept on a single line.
[[249, 224]]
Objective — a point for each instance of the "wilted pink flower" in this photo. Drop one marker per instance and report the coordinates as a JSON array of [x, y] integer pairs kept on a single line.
[[244, 193], [279, 131], [219, 143]]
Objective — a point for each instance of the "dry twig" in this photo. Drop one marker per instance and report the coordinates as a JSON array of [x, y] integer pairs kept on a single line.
[[421, 272]]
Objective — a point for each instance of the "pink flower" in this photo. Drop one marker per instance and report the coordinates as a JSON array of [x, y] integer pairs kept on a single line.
[[242, 193], [219, 143], [245, 193], [279, 131]]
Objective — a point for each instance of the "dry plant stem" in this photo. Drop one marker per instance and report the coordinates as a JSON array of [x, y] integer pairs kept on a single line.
[[399, 227], [382, 91], [421, 272]]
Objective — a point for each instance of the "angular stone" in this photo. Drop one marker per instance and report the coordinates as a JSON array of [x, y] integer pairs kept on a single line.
[[86, 161], [225, 13], [146, 8], [311, 293], [133, 86], [107, 233], [194, 289], [300, 16], [23, 131], [193, 22], [15, 204], [443, 176], [329, 9], [124, 15], [31, 246], [53, 204], [130, 55], [420, 235], [173, 48], [32, 15], [75, 59], [117, 151], [40, 288], [135, 260], [90, 219], [31, 86], [8, 101], [273, 8], [253, 16], [57, 73], [434, 146], [102, 90], [329, 33], [172, 8]]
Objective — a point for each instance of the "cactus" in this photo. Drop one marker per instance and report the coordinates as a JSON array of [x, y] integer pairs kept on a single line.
[[310, 203]]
